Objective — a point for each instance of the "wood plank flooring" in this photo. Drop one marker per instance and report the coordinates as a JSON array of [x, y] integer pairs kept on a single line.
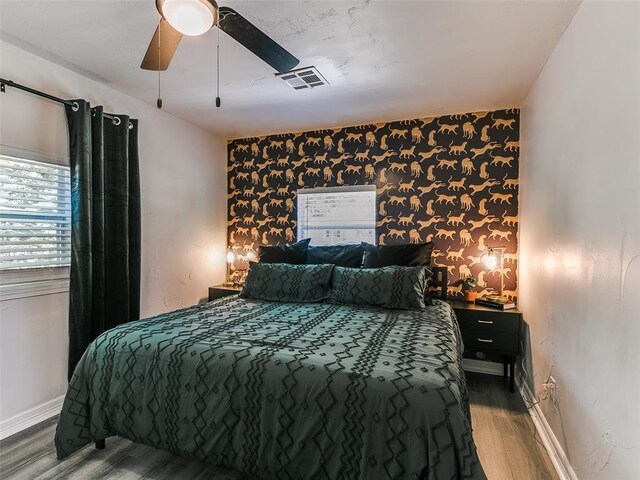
[[503, 432], [507, 442]]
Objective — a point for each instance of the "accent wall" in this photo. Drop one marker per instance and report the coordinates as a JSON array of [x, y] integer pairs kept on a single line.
[[452, 180]]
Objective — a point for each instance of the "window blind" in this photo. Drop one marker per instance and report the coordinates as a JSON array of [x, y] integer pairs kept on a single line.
[[335, 215], [35, 214]]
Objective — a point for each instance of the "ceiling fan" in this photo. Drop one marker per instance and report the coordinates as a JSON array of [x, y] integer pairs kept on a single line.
[[196, 17]]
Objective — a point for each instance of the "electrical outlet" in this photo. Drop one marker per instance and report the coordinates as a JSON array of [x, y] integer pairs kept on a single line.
[[548, 390], [544, 391], [554, 390]]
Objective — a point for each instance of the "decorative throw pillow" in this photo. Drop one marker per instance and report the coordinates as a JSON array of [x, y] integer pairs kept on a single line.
[[281, 282], [389, 287], [295, 253], [339, 255], [408, 255]]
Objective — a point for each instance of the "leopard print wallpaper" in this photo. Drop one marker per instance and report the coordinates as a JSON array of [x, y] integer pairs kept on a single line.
[[451, 179]]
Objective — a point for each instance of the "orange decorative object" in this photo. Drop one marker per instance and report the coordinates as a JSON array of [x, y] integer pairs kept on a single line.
[[470, 295]]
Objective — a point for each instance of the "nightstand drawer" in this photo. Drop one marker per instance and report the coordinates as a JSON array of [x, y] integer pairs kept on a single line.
[[493, 321], [488, 340]]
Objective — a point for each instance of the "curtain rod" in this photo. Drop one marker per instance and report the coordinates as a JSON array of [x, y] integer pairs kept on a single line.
[[74, 105]]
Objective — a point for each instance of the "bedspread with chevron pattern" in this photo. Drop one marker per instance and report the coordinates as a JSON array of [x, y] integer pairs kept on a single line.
[[283, 390]]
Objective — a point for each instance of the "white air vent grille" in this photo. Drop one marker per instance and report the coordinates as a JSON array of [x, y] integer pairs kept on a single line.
[[308, 77]]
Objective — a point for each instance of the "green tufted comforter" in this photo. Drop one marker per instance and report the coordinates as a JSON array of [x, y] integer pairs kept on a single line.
[[283, 390]]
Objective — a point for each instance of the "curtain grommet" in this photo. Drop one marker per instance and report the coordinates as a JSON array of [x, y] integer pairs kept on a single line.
[[75, 107], [130, 126], [116, 121]]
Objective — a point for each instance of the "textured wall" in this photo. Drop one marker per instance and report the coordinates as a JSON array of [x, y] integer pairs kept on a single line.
[[580, 238], [183, 220], [451, 179]]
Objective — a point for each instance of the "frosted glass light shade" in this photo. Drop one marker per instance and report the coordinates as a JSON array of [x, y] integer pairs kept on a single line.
[[190, 17], [491, 261]]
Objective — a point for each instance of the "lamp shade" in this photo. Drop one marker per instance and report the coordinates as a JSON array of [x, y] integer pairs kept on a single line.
[[241, 263], [189, 17], [491, 261]]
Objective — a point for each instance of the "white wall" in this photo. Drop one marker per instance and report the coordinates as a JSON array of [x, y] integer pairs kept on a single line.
[[183, 187], [580, 237]]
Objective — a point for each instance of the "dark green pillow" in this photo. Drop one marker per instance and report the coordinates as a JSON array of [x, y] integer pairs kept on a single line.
[[389, 287], [404, 255], [347, 255], [283, 282], [295, 253]]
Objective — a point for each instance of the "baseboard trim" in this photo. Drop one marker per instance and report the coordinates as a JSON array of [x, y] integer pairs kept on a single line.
[[549, 440], [479, 366], [31, 417]]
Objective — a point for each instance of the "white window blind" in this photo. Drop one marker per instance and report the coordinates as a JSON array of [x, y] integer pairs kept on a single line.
[[35, 214], [335, 215]]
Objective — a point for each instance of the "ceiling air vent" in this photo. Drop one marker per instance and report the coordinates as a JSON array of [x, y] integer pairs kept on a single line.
[[308, 77]]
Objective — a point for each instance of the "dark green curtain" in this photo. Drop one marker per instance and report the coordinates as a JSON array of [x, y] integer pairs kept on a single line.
[[104, 288]]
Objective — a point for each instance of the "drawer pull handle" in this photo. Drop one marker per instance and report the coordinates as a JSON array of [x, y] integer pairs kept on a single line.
[[484, 340], [489, 322]]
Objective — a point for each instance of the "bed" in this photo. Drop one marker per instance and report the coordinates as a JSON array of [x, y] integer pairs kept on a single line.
[[283, 390]]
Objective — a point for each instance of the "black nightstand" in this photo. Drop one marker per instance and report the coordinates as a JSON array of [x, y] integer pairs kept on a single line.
[[220, 291], [490, 334]]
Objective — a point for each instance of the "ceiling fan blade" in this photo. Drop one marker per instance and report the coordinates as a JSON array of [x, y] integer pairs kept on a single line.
[[162, 47], [256, 41]]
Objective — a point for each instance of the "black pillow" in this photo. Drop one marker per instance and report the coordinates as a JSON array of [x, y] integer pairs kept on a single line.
[[340, 255], [295, 253], [408, 255]]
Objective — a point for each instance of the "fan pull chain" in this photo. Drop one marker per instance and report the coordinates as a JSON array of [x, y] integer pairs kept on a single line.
[[218, 102], [159, 101]]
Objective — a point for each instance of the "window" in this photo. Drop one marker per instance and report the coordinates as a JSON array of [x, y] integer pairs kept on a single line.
[[330, 216], [35, 214]]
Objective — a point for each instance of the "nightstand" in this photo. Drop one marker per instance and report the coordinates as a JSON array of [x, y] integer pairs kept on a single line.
[[490, 334], [220, 291]]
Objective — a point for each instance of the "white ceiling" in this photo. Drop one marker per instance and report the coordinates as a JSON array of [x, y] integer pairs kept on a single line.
[[385, 60]]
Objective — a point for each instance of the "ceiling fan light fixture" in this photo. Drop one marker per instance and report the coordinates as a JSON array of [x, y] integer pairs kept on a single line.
[[189, 17]]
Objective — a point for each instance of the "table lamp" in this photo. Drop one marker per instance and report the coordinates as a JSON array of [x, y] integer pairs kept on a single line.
[[239, 259], [494, 258]]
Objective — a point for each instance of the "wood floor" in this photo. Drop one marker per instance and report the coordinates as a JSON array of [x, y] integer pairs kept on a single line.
[[503, 432]]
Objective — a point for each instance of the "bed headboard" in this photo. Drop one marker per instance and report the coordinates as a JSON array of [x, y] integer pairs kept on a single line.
[[438, 283]]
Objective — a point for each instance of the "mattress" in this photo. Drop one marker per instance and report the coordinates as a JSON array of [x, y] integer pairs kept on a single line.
[[283, 390]]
